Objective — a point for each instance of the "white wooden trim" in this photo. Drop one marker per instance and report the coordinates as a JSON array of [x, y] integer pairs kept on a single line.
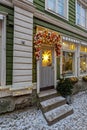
[[78, 60], [67, 9], [55, 70], [38, 76], [6, 2], [75, 65], [76, 11], [45, 4], [61, 65], [3, 58]]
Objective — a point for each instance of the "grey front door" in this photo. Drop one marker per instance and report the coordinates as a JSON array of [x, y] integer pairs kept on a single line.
[[47, 67]]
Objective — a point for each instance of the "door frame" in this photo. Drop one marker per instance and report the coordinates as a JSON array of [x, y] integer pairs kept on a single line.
[[38, 73], [3, 50]]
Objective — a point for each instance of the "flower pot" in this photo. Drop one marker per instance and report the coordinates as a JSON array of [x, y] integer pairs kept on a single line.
[[68, 99]]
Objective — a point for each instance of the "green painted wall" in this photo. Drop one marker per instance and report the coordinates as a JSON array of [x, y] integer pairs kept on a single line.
[[9, 42], [40, 5]]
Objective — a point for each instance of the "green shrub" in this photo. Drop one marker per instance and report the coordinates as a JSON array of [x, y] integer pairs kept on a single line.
[[64, 87]]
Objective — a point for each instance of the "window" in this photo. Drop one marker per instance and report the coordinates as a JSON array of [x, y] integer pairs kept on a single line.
[[59, 7], [83, 60], [68, 63], [83, 63], [80, 15], [68, 60]]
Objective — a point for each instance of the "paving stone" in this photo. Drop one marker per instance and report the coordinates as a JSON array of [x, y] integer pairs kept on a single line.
[[33, 119]]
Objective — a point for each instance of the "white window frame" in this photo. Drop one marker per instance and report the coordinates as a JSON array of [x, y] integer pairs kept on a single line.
[[55, 13], [75, 61], [81, 74], [85, 16], [3, 49]]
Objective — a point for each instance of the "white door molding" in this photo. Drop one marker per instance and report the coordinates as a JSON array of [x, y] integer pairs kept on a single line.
[[3, 52], [38, 76]]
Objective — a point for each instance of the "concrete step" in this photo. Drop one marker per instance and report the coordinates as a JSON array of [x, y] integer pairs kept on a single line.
[[47, 94], [58, 113], [52, 103]]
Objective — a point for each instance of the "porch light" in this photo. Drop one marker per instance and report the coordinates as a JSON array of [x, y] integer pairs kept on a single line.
[[45, 57]]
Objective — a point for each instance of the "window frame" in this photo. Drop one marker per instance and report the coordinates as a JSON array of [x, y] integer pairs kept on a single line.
[[84, 53], [80, 25], [57, 14], [75, 61]]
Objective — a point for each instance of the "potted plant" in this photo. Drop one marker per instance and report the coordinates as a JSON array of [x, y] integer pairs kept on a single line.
[[74, 80], [64, 87], [84, 78]]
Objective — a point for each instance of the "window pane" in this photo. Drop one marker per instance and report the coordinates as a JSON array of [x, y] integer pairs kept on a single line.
[[69, 46], [68, 62], [60, 7], [83, 22], [78, 19], [51, 4], [83, 49], [83, 63], [78, 9]]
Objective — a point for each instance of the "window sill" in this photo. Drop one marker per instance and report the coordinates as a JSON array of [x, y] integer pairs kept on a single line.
[[83, 74], [81, 27], [56, 14]]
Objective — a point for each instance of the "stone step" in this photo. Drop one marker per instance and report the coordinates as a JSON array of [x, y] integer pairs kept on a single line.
[[47, 94], [58, 113], [52, 103]]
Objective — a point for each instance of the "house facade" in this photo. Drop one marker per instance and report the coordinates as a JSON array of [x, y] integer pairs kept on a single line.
[[68, 19], [27, 67]]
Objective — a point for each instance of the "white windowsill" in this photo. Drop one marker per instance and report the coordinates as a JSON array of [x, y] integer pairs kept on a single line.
[[50, 11], [81, 27]]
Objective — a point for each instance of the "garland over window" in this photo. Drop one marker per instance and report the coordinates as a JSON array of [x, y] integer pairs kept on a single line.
[[48, 38]]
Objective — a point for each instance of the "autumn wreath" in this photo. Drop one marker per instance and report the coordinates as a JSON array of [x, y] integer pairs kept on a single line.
[[46, 37]]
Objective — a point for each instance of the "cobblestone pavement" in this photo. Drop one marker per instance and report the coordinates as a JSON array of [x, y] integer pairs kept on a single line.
[[33, 119]]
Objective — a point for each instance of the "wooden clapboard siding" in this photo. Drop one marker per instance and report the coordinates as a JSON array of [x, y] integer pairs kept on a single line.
[[9, 42], [22, 61]]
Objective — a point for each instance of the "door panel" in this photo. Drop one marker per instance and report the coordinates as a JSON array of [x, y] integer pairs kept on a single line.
[[47, 68]]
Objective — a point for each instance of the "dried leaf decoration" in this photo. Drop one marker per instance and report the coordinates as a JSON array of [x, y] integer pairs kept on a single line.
[[46, 37]]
